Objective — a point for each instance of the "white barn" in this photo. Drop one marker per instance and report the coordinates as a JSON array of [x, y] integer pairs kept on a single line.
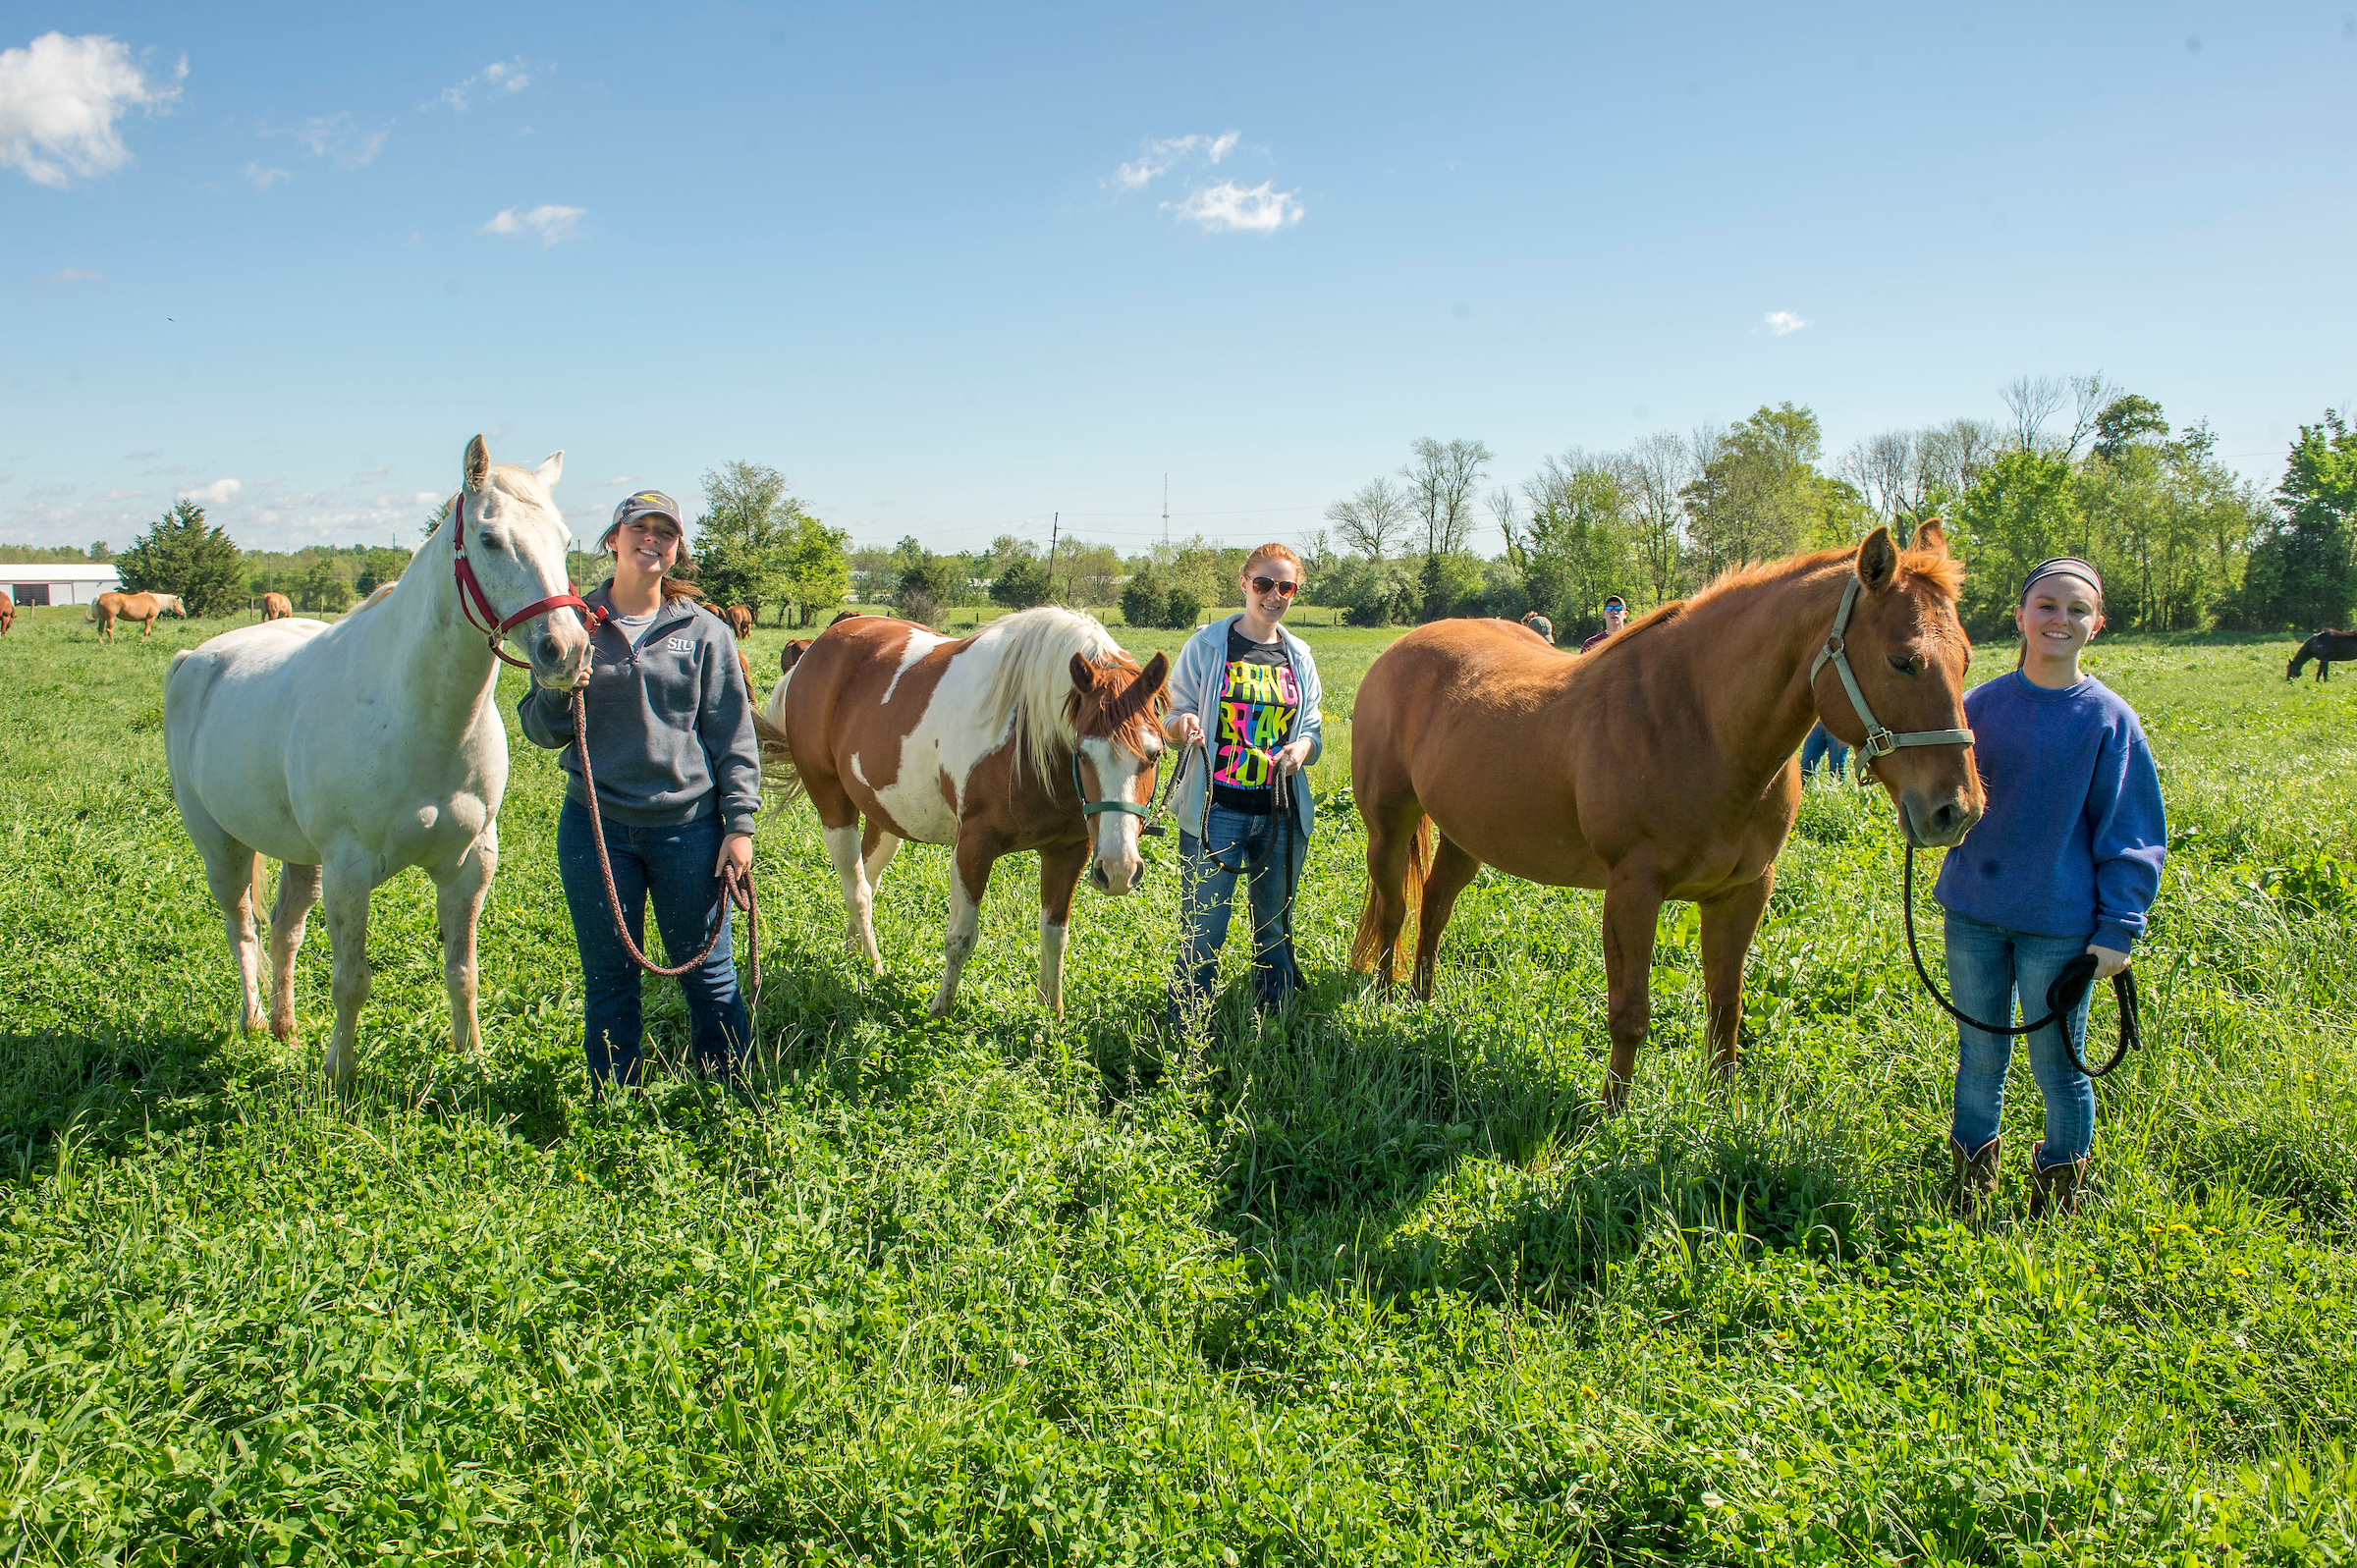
[[57, 582]]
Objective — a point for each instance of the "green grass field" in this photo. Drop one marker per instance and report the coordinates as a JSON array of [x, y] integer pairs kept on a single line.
[[1370, 1283]]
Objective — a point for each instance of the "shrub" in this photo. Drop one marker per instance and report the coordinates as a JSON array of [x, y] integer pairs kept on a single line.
[[1144, 598], [1022, 583], [181, 555], [1181, 607]]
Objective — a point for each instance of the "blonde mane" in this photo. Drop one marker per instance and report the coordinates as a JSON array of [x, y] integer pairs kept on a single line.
[[1031, 674]]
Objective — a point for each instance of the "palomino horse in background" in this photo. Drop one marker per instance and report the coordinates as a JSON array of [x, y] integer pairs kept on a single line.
[[1036, 733], [109, 608], [352, 751], [739, 619], [2326, 648], [1661, 766], [277, 607]]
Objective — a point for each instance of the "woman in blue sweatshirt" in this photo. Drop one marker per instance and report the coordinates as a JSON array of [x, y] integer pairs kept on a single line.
[[2065, 860], [679, 780]]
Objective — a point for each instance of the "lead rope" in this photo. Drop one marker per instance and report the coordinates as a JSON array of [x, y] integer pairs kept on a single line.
[[739, 891], [2062, 998]]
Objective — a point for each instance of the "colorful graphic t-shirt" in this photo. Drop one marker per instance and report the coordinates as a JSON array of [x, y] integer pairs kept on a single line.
[[1256, 716]]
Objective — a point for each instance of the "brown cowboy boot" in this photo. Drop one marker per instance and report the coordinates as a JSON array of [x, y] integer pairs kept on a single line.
[[2055, 1189], [1974, 1179]]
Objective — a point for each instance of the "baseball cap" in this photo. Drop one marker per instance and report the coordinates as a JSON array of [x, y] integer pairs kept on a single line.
[[645, 504], [1613, 600]]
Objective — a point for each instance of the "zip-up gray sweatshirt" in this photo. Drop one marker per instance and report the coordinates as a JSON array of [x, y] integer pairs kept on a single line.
[[670, 722]]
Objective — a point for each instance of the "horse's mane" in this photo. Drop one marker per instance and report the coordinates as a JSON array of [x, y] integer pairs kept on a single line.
[[1032, 677], [1938, 571]]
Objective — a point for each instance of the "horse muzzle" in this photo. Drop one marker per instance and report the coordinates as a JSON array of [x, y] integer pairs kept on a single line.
[[1102, 881], [1941, 826]]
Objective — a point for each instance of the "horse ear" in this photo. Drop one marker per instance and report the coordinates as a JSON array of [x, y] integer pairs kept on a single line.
[[1149, 680], [1877, 560], [1084, 674], [550, 467], [475, 465], [1931, 539]]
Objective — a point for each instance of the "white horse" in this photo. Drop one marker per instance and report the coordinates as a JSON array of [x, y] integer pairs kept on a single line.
[[350, 752]]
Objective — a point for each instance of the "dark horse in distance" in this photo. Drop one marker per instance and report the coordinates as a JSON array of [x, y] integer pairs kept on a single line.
[[2324, 648]]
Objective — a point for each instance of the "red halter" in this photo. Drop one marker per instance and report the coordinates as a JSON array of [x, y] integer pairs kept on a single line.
[[477, 606]]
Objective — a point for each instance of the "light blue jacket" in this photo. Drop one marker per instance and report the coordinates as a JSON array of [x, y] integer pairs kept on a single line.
[[1197, 683]]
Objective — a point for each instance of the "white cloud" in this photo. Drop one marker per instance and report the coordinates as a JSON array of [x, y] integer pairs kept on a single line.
[[549, 222], [427, 498], [59, 100], [500, 77], [65, 274], [1780, 322], [214, 494], [123, 495], [1228, 206], [261, 179], [338, 138], [372, 477], [1161, 157]]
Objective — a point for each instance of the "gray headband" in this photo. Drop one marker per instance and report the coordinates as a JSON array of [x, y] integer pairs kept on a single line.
[[2062, 565]]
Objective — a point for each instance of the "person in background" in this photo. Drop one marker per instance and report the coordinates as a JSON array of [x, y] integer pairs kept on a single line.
[[1821, 746], [1540, 624], [1242, 807], [2067, 860], [1615, 616], [679, 780]]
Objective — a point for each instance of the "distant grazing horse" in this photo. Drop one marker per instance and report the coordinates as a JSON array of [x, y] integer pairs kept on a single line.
[[354, 751], [1660, 767], [739, 619], [1036, 733], [109, 608], [8, 614], [277, 607], [2326, 648], [1540, 624]]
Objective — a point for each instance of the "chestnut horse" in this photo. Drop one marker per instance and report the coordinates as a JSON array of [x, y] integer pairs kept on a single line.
[[1036, 733], [277, 607], [2326, 648], [739, 619], [109, 608], [1661, 766], [8, 614]]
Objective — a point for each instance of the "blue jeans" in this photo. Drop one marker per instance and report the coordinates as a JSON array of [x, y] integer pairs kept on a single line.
[[1987, 965], [1207, 895], [674, 865], [1821, 746]]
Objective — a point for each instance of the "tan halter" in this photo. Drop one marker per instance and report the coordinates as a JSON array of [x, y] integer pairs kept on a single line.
[[1880, 742]]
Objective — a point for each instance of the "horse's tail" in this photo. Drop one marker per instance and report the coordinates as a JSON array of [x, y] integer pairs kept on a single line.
[[781, 779], [261, 905], [90, 614], [1367, 945]]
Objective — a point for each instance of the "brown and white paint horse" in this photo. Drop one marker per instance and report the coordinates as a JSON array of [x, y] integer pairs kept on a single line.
[[277, 607], [977, 743], [1660, 767], [109, 608]]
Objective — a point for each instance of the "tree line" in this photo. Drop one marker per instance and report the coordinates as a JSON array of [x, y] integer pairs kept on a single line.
[[2076, 466]]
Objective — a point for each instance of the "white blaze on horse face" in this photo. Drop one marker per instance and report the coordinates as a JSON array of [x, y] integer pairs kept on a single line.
[[1112, 835]]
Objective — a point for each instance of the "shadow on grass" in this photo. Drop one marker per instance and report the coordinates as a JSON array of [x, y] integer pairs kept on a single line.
[[1416, 1154]]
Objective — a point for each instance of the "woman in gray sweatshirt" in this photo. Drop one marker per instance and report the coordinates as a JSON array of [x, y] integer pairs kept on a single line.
[[679, 780]]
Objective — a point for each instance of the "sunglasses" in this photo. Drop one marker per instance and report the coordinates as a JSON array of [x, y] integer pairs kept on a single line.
[[1272, 586]]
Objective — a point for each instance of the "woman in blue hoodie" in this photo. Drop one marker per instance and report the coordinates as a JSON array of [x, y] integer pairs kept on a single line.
[[2065, 860], [679, 780]]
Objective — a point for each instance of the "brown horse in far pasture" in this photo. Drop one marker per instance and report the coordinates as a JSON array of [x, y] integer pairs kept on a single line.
[[277, 607], [2326, 648], [8, 614], [1661, 766], [739, 619], [109, 608]]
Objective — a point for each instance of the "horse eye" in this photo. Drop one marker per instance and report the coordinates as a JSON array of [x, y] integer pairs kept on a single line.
[[1900, 663]]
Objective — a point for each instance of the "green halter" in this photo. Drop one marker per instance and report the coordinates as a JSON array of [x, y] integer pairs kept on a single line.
[[1880, 742]]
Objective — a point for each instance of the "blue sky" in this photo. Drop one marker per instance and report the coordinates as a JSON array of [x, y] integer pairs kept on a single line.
[[893, 251]]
